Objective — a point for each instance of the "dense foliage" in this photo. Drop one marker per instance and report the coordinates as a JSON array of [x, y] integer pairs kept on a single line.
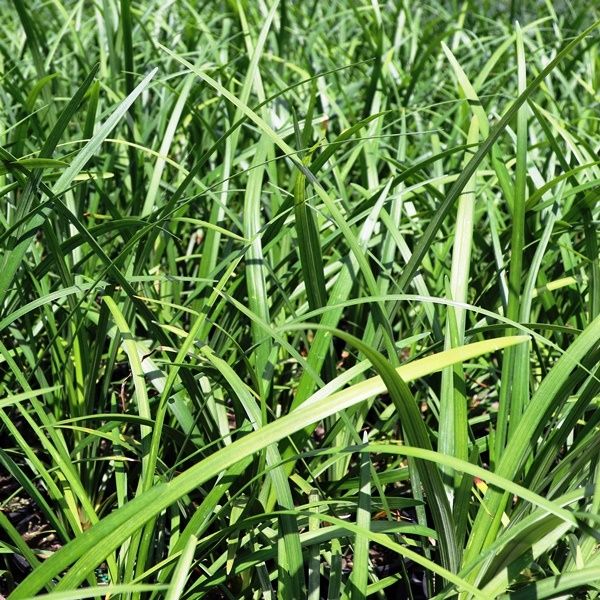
[[299, 299]]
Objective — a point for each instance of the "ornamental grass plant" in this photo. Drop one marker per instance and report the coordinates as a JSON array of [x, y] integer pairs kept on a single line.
[[299, 299]]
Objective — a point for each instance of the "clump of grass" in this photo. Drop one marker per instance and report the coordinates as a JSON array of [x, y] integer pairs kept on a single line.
[[299, 300]]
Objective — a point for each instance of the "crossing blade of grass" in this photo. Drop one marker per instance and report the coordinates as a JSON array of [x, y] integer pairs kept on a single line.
[[492, 478], [51, 486], [14, 398], [414, 370], [77, 508], [588, 544], [315, 166], [69, 485]]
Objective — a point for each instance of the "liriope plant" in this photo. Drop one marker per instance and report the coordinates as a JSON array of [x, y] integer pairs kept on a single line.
[[299, 300]]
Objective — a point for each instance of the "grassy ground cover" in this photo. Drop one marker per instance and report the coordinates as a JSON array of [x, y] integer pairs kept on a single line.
[[299, 299]]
